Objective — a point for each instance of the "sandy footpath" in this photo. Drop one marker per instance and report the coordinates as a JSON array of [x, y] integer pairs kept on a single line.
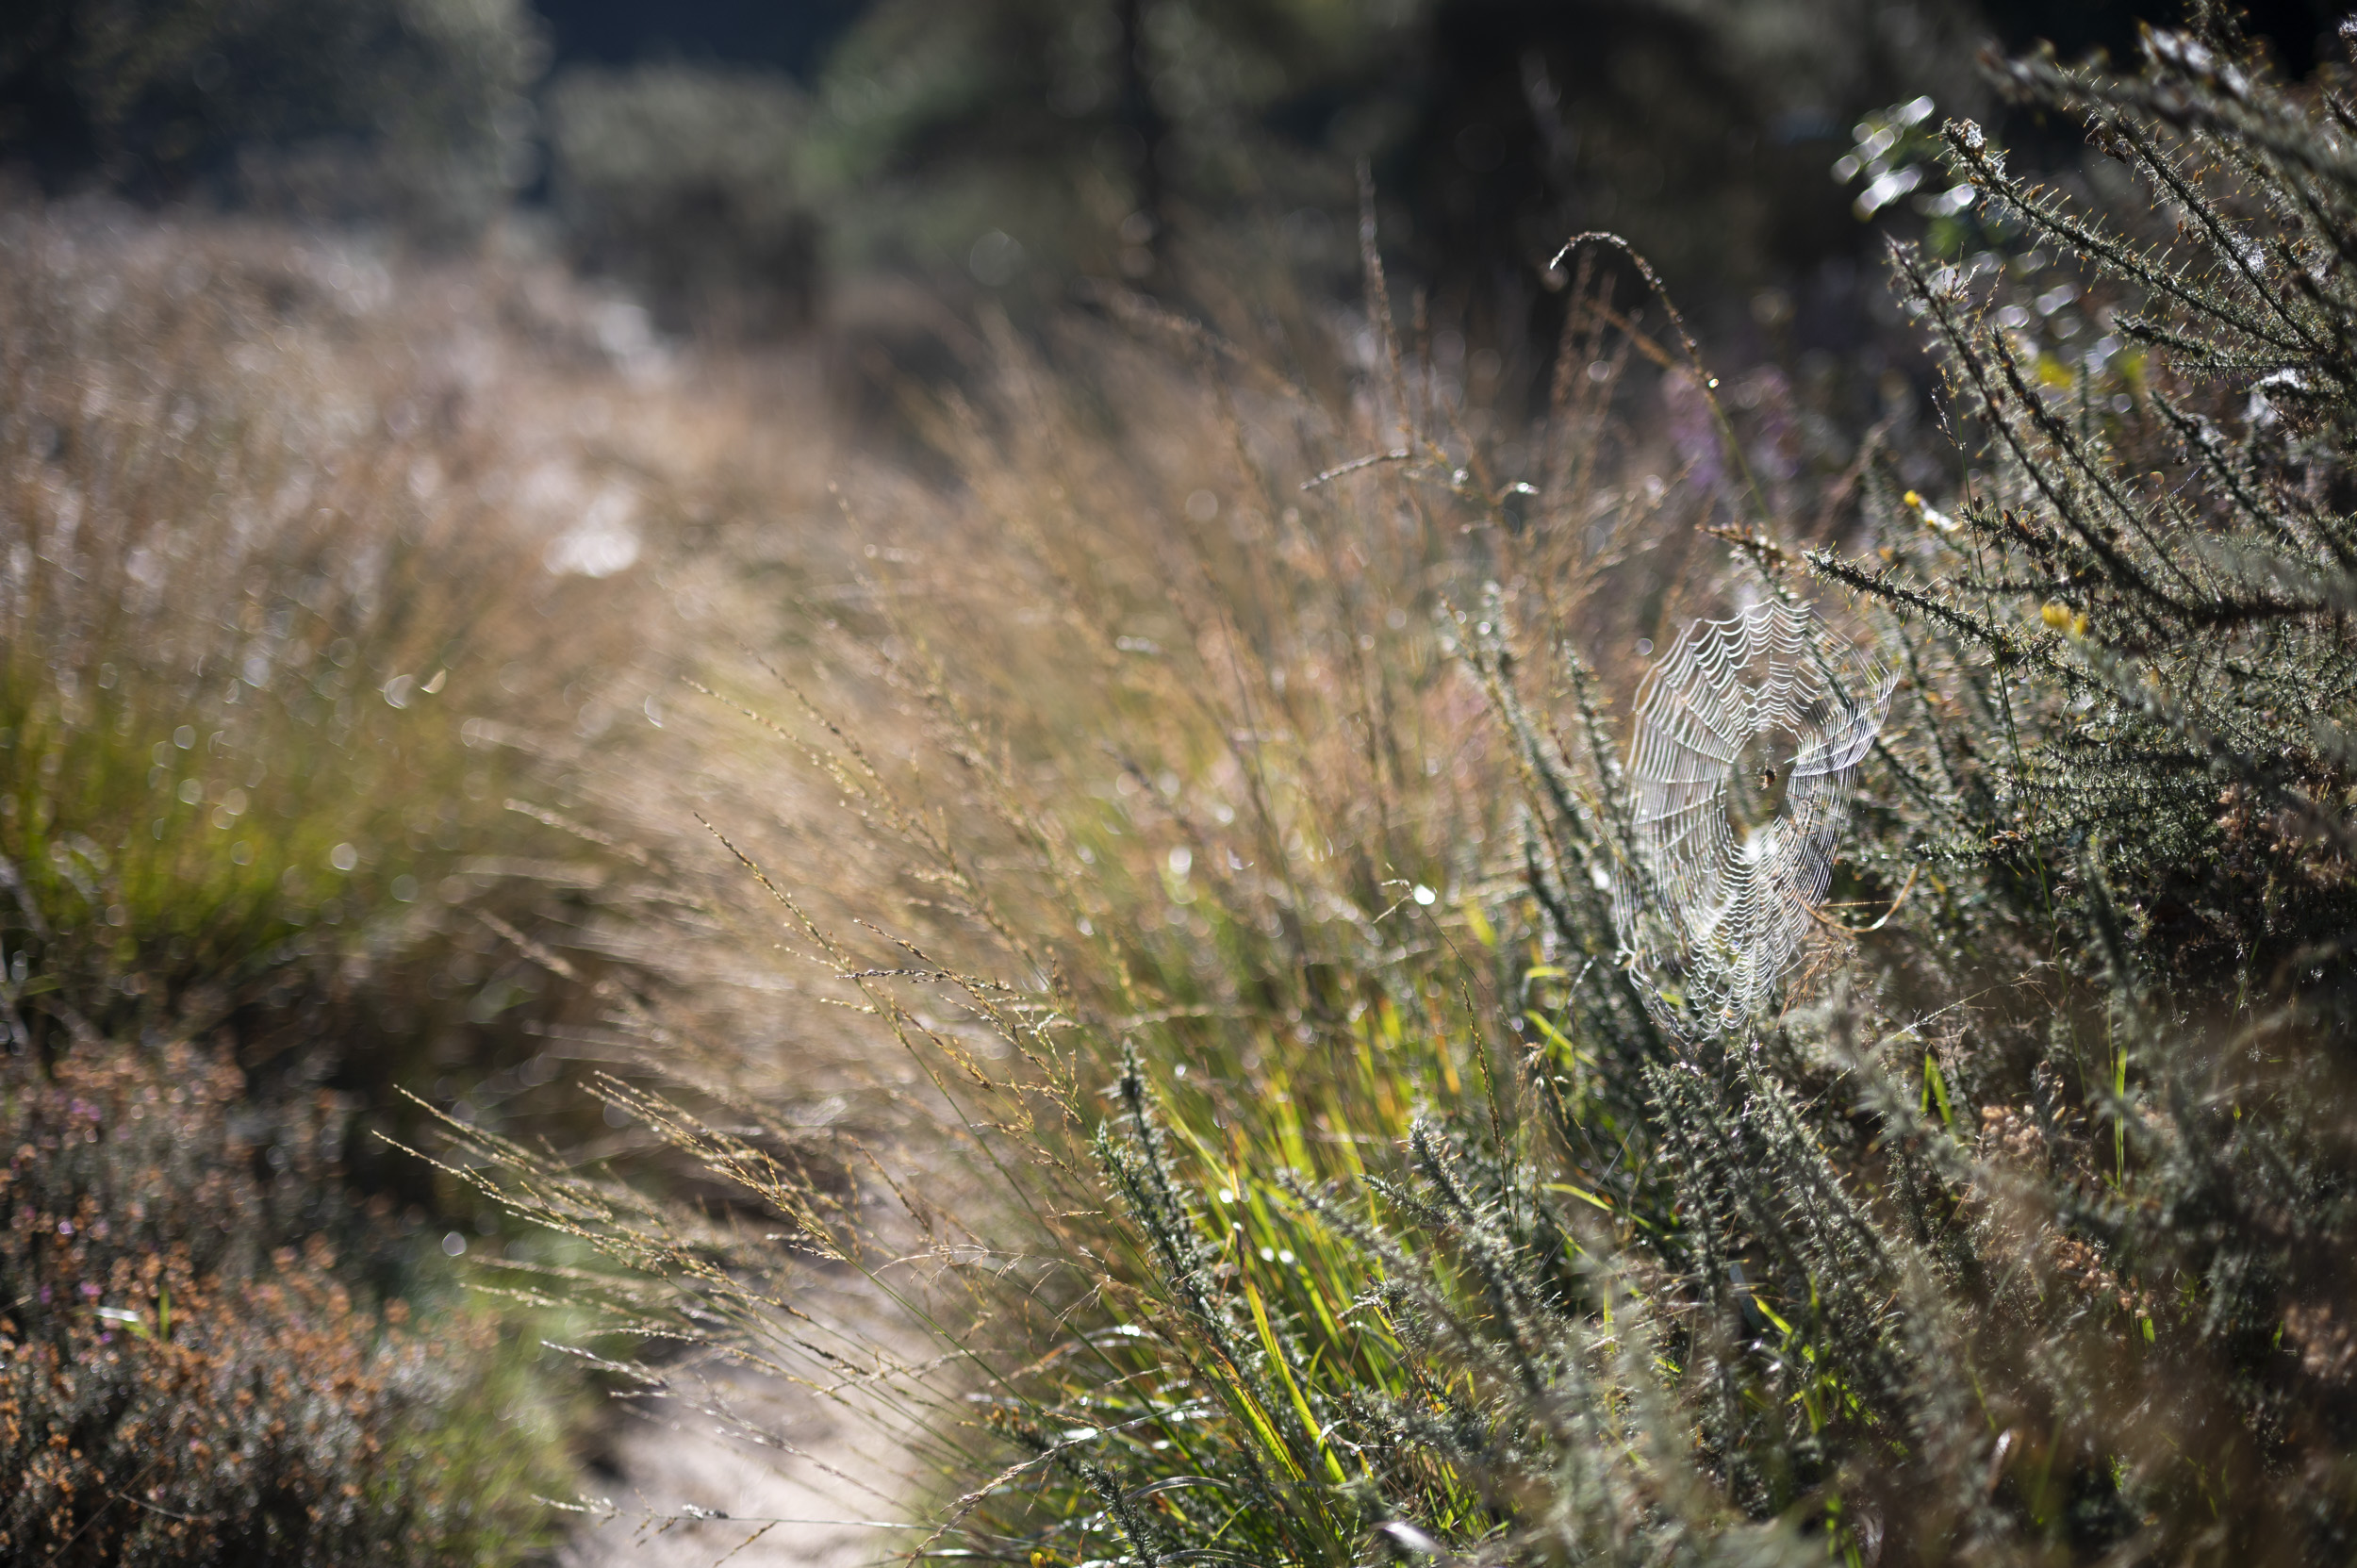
[[825, 1490]]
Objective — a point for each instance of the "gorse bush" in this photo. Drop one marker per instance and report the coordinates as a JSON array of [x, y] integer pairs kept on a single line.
[[1357, 1194]]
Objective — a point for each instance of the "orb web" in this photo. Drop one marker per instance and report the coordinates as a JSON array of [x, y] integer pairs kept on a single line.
[[1748, 739]]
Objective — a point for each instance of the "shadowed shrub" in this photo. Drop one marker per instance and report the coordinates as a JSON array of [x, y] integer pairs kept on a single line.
[[688, 184], [408, 110]]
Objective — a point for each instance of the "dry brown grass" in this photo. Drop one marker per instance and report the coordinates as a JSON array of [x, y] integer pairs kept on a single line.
[[262, 492]]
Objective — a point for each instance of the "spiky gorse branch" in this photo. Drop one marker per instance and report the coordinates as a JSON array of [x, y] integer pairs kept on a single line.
[[2165, 551]]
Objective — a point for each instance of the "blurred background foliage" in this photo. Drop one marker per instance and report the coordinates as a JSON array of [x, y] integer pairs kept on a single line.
[[412, 111], [726, 160]]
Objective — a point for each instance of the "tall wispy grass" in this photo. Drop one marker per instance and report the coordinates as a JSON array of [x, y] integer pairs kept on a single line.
[[1225, 789], [252, 597]]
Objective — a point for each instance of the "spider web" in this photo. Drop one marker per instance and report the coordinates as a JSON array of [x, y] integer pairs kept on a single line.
[[1749, 734]]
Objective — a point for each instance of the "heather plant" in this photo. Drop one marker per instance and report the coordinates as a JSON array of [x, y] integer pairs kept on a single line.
[[185, 1375]]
